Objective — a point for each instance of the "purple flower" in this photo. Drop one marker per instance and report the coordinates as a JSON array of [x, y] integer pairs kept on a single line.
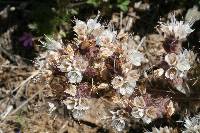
[[26, 39]]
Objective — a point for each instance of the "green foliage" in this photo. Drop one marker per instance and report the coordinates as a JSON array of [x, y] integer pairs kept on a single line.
[[48, 16], [42, 18], [123, 4], [95, 3], [120, 4], [54, 16]]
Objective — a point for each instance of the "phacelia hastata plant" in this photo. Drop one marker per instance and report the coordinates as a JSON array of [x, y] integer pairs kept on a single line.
[[104, 64]]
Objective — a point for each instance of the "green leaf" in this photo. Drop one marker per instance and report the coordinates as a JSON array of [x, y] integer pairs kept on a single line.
[[123, 5], [93, 2]]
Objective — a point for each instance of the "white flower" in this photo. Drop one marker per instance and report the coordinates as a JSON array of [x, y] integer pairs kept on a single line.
[[127, 88], [192, 124], [79, 111], [103, 86], [171, 73], [105, 52], [123, 87], [136, 57], [117, 82], [184, 60], [118, 124], [132, 76], [74, 76], [183, 65], [137, 112], [106, 37], [151, 112], [180, 88], [171, 59], [190, 56], [93, 26], [178, 28], [80, 63], [80, 28], [126, 67], [158, 72], [77, 108], [77, 114], [139, 102], [65, 66]]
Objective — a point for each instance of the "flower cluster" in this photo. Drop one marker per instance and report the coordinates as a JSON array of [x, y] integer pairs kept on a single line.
[[101, 63], [175, 32], [126, 85], [178, 62], [148, 109], [179, 29], [192, 125]]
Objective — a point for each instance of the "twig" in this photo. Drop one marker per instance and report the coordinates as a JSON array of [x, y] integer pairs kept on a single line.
[[121, 19], [141, 42], [8, 54], [63, 126], [14, 67], [24, 82], [24, 103], [195, 81]]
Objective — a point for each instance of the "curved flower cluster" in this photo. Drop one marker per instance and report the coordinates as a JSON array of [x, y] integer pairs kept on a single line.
[[104, 64], [178, 62]]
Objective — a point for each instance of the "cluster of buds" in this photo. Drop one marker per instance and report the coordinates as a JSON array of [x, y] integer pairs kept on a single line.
[[177, 62], [101, 63]]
